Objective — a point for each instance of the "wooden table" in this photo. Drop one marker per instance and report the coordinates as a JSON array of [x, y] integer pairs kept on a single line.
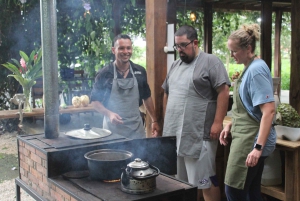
[[39, 112], [290, 190]]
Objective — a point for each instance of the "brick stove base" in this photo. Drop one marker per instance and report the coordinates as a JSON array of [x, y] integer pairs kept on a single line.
[[33, 175], [43, 161]]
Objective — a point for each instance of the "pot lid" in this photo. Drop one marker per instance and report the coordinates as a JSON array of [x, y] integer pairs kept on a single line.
[[138, 164], [88, 133]]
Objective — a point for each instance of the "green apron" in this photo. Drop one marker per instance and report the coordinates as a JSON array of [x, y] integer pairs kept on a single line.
[[244, 129]]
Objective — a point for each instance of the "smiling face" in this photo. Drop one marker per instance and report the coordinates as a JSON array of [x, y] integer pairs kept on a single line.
[[122, 51], [188, 49], [240, 55]]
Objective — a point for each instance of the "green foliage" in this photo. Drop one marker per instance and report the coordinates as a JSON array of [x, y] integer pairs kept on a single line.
[[29, 71], [16, 32], [139, 55], [183, 19], [285, 72], [85, 38]]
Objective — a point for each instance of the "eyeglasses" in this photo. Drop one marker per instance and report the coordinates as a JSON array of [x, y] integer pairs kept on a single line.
[[182, 46]]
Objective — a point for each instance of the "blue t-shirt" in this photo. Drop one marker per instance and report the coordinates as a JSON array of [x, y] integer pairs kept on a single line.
[[257, 88]]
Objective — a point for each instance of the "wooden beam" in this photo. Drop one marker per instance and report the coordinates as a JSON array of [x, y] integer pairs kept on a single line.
[[171, 12], [277, 48], [116, 13], [208, 21], [295, 57], [156, 38], [266, 32]]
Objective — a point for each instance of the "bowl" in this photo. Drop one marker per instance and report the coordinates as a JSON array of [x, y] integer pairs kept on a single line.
[[289, 133]]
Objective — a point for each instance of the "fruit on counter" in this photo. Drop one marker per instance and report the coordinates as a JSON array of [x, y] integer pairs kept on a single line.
[[85, 100], [63, 106], [76, 101], [286, 115]]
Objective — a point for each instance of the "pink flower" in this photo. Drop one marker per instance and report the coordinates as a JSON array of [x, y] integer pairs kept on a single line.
[[23, 63], [35, 57]]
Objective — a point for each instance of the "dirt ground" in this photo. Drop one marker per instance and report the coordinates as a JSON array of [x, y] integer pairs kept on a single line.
[[9, 168]]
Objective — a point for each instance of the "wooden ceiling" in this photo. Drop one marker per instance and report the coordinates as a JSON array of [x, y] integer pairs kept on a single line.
[[284, 5], [235, 4]]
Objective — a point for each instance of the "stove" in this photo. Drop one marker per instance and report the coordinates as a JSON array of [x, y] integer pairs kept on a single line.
[[43, 162]]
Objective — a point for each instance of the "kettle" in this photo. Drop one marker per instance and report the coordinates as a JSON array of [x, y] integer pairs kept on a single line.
[[139, 177]]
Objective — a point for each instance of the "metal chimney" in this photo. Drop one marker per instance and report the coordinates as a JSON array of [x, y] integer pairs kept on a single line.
[[50, 67]]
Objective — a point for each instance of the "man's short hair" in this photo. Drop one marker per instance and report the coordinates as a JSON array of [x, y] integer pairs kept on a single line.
[[187, 30], [121, 36]]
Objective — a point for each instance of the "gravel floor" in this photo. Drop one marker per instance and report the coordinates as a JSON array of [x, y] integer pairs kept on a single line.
[[8, 147]]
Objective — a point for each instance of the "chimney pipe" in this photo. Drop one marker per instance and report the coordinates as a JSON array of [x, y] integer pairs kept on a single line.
[[50, 64]]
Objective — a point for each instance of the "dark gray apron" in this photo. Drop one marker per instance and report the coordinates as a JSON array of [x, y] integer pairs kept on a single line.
[[186, 112], [124, 100], [243, 130]]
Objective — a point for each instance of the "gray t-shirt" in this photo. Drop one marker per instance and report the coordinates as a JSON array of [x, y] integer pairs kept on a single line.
[[208, 75]]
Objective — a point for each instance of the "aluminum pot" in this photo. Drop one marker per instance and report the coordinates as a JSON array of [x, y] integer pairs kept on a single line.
[[107, 164], [139, 177]]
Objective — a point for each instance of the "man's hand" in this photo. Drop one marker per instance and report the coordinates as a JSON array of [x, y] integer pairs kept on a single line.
[[215, 131], [225, 134], [115, 118], [155, 129]]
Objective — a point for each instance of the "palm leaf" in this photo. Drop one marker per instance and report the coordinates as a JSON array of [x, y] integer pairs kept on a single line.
[[17, 63], [24, 56], [20, 79], [39, 55], [12, 68], [33, 73]]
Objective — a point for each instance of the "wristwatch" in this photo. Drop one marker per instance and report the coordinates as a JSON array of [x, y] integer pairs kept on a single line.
[[258, 146]]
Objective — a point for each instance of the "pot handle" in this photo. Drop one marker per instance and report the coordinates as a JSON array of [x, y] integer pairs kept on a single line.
[[149, 176]]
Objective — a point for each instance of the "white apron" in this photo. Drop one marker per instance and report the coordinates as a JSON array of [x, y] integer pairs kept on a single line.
[[124, 100]]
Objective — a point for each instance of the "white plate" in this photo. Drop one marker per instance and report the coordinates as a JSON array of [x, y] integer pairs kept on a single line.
[[94, 133]]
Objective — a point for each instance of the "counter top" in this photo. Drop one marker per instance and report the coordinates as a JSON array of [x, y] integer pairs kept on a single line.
[[8, 114]]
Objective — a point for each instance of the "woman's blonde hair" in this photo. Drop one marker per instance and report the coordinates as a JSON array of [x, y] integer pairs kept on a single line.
[[246, 35]]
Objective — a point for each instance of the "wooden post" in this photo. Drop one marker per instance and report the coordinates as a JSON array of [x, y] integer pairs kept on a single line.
[[208, 21], [277, 48], [116, 12], [295, 57], [266, 32], [156, 26]]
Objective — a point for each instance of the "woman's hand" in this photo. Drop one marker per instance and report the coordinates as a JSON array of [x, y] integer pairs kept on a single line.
[[253, 157], [225, 134]]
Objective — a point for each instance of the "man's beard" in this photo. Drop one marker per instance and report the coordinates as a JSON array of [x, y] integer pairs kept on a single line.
[[186, 59]]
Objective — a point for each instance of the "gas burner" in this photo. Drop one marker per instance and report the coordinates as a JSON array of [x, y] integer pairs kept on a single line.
[[112, 181], [76, 174]]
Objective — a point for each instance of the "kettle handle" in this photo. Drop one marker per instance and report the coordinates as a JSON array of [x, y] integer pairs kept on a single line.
[[124, 177]]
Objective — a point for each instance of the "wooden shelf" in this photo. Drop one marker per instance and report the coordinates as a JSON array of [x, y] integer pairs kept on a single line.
[[274, 191]]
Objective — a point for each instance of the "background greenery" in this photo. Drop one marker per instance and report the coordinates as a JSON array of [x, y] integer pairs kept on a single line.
[[85, 39]]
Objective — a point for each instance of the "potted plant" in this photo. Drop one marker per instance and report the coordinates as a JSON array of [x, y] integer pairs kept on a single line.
[[288, 122], [26, 72]]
